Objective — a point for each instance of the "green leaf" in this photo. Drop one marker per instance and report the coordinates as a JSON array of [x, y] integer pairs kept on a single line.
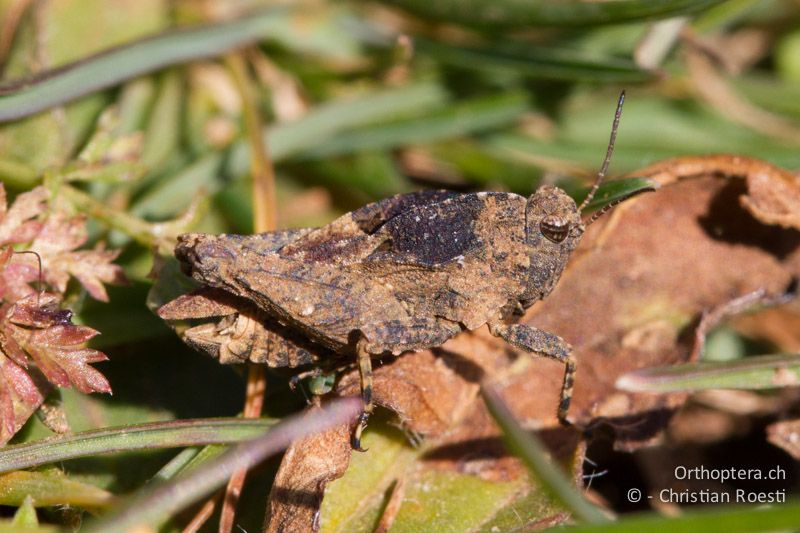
[[441, 501], [750, 373], [431, 500], [353, 502]]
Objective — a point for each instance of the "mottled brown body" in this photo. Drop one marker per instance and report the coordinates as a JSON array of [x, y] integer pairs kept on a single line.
[[405, 273]]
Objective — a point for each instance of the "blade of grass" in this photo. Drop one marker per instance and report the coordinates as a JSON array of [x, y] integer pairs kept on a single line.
[[728, 520], [751, 373], [17, 174], [173, 434], [327, 120], [184, 462], [51, 488], [152, 505], [22, 98], [462, 118], [534, 455], [521, 14], [536, 62], [178, 463], [25, 516], [162, 136], [614, 190]]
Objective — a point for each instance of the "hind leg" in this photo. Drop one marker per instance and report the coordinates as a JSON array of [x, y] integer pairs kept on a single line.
[[365, 370], [543, 343]]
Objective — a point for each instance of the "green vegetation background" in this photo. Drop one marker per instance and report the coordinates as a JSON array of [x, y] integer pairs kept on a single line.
[[494, 94]]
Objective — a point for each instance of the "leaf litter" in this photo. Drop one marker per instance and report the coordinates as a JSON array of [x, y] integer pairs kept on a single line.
[[631, 299]]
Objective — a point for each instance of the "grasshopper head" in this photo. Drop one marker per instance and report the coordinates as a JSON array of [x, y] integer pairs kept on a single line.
[[553, 230], [206, 258]]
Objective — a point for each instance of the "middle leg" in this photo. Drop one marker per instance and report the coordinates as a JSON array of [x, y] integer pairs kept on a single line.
[[541, 342], [395, 336]]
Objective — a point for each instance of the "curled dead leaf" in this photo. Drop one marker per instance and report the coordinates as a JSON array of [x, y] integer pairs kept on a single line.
[[773, 193], [307, 467]]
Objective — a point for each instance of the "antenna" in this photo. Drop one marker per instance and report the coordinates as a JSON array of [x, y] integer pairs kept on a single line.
[[604, 168]]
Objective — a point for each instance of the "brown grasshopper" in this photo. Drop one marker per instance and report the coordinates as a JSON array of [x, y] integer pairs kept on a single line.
[[405, 273]]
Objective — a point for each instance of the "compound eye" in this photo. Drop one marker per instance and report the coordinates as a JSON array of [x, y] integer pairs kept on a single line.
[[554, 228]]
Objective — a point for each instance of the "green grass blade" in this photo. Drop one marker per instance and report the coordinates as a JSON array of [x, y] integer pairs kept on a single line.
[[752, 373], [328, 120], [285, 140], [153, 505], [17, 174], [51, 488], [180, 462], [538, 62], [344, 128], [7, 527], [174, 434], [25, 97], [525, 13], [727, 520], [462, 118], [534, 455], [26, 514], [612, 191]]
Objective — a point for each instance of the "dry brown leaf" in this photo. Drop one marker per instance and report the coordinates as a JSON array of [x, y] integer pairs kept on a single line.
[[779, 326], [432, 390], [773, 193], [308, 465], [663, 259], [630, 299]]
